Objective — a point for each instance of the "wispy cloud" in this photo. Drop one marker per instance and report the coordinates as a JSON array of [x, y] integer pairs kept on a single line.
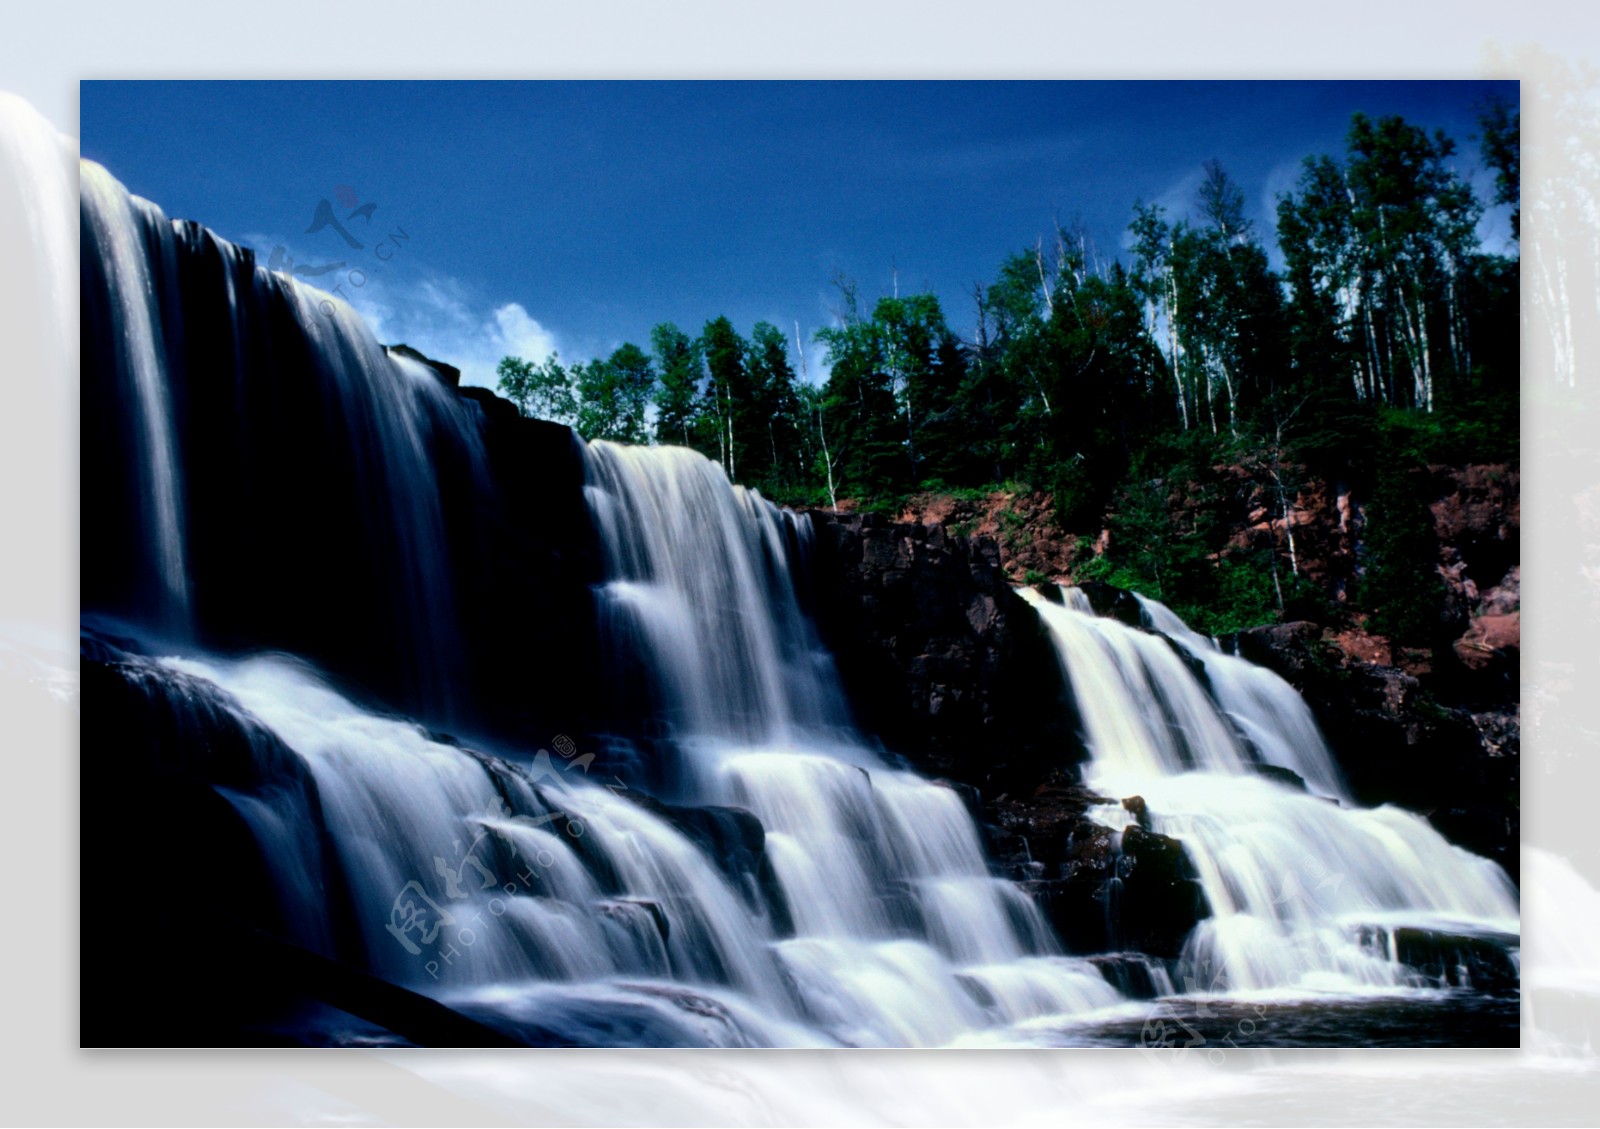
[[437, 316], [432, 313], [1178, 198]]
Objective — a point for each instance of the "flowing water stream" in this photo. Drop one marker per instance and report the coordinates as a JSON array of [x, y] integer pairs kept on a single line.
[[784, 884]]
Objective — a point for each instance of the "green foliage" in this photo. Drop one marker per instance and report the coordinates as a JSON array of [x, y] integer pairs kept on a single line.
[[677, 358], [1482, 429], [1400, 582], [541, 390], [774, 428], [613, 395], [1170, 528], [1078, 502], [1164, 397], [1016, 538], [959, 493], [1106, 569], [1246, 596]]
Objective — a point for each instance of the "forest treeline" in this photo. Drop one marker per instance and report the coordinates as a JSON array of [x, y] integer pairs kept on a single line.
[[1389, 338]]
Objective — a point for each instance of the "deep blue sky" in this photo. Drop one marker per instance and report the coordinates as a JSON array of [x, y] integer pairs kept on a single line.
[[579, 214]]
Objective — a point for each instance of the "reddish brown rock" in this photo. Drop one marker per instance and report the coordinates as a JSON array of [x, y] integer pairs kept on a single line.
[[1490, 637], [1022, 524], [1356, 645]]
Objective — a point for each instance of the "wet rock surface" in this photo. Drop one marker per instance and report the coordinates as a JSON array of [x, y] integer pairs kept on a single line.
[[1104, 891], [1431, 742], [941, 659]]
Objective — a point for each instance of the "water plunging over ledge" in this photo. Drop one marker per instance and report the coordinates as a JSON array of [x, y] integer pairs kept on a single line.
[[285, 484]]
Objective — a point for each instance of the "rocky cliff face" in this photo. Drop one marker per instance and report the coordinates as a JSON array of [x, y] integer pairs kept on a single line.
[[1414, 740], [953, 671], [941, 659], [1022, 523], [1437, 730], [948, 667]]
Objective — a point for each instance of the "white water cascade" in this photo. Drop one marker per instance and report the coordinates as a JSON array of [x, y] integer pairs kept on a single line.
[[1307, 891], [270, 477], [579, 914], [118, 224]]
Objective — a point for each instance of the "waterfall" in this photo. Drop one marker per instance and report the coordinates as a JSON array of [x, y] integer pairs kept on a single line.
[[901, 936], [1307, 892], [256, 450], [249, 445], [305, 554], [700, 577], [116, 228]]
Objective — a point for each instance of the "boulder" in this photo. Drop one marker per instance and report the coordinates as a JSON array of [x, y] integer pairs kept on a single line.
[[1103, 890]]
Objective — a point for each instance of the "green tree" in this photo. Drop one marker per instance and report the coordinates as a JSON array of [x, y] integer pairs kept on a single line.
[[1499, 142], [1154, 278], [1381, 244], [772, 426], [677, 357], [542, 390], [614, 394], [1232, 322], [861, 411], [727, 394]]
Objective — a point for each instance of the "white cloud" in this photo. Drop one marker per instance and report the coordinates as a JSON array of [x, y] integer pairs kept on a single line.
[[522, 335], [434, 314], [438, 317]]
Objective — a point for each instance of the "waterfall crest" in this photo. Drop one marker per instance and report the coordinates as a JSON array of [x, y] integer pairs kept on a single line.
[[248, 444]]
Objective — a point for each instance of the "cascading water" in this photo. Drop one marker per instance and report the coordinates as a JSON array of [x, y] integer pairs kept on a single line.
[[901, 936], [263, 465], [1306, 891], [797, 890], [117, 225], [274, 478]]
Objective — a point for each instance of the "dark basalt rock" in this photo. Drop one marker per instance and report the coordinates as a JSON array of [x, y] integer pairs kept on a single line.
[[1460, 960], [1406, 739], [621, 908], [163, 752], [1293, 650], [448, 374], [1102, 890], [941, 659], [736, 842], [1135, 975], [1282, 775], [1109, 600]]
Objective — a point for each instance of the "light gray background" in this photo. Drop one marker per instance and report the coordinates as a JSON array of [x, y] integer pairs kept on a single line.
[[46, 896]]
